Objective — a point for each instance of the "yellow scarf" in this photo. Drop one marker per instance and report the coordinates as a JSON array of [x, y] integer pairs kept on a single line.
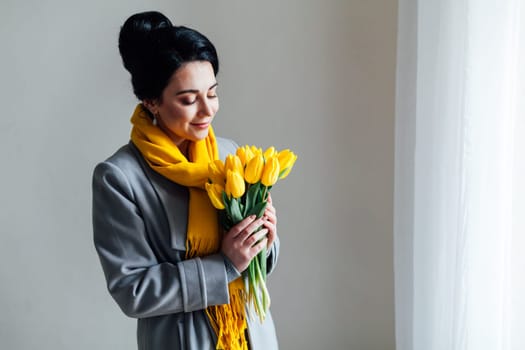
[[163, 156]]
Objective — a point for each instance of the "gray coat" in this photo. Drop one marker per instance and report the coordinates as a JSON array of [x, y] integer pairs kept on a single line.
[[139, 224]]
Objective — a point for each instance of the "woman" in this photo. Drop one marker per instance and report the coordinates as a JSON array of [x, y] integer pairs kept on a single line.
[[155, 231]]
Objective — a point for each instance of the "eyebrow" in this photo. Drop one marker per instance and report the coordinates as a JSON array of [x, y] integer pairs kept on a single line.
[[194, 91]]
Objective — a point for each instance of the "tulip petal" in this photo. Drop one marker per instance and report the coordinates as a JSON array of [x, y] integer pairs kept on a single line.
[[270, 173]]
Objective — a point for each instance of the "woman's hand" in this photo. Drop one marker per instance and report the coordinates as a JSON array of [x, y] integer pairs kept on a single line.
[[241, 244], [270, 222]]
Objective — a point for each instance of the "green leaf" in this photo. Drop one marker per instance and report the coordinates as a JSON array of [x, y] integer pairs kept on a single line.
[[242, 209], [225, 220], [235, 211], [258, 209], [225, 197], [251, 196], [227, 203]]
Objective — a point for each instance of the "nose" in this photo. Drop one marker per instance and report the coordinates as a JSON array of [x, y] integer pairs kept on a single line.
[[207, 108]]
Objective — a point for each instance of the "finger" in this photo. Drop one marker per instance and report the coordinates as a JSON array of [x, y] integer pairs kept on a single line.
[[259, 246], [270, 226], [251, 228], [270, 208], [256, 237], [241, 226], [270, 216], [269, 198], [271, 238]]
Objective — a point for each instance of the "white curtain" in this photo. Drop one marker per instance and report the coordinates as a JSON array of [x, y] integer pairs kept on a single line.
[[460, 175]]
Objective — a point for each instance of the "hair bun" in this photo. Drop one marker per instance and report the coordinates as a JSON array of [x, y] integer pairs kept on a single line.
[[135, 39]]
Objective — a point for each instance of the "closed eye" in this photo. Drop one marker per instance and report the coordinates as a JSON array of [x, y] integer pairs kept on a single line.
[[212, 91]]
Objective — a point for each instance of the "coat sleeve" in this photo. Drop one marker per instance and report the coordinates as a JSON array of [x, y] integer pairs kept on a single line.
[[140, 284], [273, 254]]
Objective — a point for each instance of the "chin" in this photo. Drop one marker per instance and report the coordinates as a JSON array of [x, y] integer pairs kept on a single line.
[[199, 135]]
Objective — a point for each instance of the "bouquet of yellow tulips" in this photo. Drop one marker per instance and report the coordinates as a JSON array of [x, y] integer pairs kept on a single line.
[[239, 188]]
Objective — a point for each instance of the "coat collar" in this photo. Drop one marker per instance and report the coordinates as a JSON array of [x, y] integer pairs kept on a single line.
[[174, 200]]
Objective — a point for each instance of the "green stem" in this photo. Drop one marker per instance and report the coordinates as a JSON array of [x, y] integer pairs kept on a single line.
[[254, 288], [264, 292], [262, 261], [265, 194]]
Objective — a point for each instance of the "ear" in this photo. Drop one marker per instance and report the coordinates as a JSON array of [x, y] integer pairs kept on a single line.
[[152, 105]]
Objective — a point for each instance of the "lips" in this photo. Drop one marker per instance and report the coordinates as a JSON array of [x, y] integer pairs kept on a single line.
[[201, 125]]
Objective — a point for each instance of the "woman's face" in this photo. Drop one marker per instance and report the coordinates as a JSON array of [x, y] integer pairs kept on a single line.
[[189, 103]]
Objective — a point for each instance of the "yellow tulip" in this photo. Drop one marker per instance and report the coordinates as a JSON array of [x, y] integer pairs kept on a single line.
[[270, 172], [245, 154], [254, 169], [217, 173], [215, 194], [235, 186], [286, 161], [255, 150], [270, 152], [234, 164]]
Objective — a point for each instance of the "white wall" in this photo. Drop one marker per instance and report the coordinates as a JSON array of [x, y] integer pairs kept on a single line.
[[315, 76]]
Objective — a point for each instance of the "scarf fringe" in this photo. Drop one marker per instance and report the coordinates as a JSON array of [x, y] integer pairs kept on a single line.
[[228, 320], [228, 323]]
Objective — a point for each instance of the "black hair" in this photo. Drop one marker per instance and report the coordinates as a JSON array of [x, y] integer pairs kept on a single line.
[[152, 49]]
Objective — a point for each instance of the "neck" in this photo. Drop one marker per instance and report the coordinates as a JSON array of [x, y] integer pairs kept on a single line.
[[183, 147], [182, 144]]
